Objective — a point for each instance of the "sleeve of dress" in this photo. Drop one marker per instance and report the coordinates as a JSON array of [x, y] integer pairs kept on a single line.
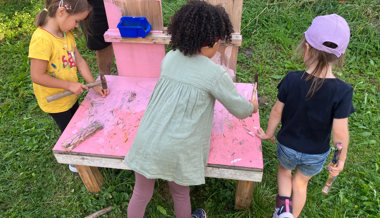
[[226, 93], [345, 107]]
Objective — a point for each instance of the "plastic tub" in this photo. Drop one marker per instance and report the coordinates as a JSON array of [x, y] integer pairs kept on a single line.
[[134, 27]]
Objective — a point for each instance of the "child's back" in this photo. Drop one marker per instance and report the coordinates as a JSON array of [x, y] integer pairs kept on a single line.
[[178, 119], [173, 139], [314, 114]]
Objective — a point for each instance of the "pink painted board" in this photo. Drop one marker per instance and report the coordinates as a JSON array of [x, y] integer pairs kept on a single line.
[[233, 141], [122, 110], [132, 57], [120, 113], [138, 60]]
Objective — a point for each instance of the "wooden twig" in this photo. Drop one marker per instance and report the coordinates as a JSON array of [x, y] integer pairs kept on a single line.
[[100, 212], [82, 135]]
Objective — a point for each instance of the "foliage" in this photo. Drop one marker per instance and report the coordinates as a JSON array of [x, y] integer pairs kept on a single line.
[[33, 184]]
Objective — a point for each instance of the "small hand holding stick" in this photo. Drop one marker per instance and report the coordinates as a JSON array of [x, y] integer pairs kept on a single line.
[[102, 90], [334, 163], [254, 93]]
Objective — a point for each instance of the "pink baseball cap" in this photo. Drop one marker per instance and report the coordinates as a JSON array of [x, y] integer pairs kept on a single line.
[[329, 28]]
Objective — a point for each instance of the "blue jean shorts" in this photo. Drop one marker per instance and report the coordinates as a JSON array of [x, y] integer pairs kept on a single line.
[[308, 164]]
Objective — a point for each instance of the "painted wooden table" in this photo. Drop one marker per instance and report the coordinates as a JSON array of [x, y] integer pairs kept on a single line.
[[235, 151]]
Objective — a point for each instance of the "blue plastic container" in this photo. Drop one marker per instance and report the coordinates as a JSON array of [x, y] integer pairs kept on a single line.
[[133, 27]]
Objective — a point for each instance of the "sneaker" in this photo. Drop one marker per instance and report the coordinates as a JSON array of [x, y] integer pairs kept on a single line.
[[199, 213], [283, 207], [73, 168]]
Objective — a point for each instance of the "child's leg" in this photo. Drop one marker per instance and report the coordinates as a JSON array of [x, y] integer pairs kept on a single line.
[[181, 198], [284, 181], [142, 193], [62, 119], [299, 183]]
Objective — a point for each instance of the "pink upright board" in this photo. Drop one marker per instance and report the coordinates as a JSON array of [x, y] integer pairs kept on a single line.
[[232, 143], [133, 59]]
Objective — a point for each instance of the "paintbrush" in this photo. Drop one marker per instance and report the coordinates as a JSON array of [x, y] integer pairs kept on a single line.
[[255, 83], [331, 179]]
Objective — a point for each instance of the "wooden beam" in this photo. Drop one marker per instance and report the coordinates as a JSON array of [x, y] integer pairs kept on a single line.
[[244, 194], [113, 35], [213, 171], [91, 177]]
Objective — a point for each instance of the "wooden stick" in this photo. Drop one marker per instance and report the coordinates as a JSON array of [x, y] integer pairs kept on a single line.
[[82, 135], [100, 212], [254, 92], [334, 161], [67, 93]]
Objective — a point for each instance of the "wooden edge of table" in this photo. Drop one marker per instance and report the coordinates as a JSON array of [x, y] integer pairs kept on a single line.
[[214, 171], [113, 35]]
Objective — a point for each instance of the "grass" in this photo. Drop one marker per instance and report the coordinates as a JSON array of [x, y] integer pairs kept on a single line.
[[33, 184]]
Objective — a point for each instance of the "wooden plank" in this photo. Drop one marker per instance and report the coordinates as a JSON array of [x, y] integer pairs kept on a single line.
[[213, 171], [138, 8], [226, 56], [91, 177], [113, 35], [234, 9], [243, 195]]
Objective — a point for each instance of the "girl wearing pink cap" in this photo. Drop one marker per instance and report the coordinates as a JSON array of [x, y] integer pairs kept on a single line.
[[310, 104]]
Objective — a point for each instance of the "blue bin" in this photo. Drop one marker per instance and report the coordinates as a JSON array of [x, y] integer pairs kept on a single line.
[[133, 27]]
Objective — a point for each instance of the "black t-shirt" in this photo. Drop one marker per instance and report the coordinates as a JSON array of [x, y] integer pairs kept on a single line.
[[307, 122]]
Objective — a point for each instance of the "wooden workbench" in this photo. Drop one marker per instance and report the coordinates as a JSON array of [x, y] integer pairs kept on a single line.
[[235, 152]]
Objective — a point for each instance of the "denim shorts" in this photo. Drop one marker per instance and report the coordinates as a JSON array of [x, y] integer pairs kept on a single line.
[[308, 164]]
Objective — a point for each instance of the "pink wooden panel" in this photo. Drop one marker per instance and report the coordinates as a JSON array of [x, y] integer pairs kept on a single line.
[[138, 60], [130, 57], [122, 110], [233, 141]]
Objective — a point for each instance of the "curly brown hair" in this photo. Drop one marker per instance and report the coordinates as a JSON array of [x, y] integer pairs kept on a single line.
[[198, 24]]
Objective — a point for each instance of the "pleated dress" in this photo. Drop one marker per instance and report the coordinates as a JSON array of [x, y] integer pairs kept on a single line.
[[173, 139]]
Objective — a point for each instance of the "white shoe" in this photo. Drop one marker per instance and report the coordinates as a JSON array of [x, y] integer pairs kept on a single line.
[[73, 168], [282, 215]]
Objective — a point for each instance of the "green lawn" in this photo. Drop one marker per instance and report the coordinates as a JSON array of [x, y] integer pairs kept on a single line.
[[33, 184]]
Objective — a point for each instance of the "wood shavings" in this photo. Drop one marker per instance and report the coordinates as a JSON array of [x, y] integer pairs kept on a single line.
[[82, 135]]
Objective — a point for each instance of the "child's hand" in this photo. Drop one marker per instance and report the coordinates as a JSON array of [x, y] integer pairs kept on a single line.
[[77, 88], [102, 92], [261, 134], [255, 104], [334, 171]]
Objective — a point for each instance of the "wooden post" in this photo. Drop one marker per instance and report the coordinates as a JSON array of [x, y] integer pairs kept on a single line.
[[244, 194], [91, 177]]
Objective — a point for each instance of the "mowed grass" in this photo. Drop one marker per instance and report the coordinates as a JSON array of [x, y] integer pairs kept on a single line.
[[33, 184]]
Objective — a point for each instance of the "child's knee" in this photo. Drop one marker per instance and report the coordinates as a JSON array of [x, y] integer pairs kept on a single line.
[[300, 180]]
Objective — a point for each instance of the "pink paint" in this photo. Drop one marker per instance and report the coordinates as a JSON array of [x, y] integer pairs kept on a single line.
[[122, 110], [138, 60], [233, 142], [113, 12], [120, 113]]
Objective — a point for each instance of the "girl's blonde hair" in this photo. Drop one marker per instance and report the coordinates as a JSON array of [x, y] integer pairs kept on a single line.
[[322, 60], [71, 6]]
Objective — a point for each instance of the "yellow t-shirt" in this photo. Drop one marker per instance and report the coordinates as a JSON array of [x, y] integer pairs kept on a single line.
[[59, 52]]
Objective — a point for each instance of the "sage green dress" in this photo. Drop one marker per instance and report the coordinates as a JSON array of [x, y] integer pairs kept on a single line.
[[173, 139]]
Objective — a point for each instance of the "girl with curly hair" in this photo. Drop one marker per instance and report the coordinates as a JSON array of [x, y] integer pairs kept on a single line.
[[173, 139]]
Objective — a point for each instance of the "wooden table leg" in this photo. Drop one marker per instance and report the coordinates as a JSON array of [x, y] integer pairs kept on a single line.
[[244, 194], [91, 177]]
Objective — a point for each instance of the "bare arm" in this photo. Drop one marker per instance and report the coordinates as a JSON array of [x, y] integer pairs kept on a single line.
[[274, 120], [85, 72], [340, 134], [38, 74], [83, 68]]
